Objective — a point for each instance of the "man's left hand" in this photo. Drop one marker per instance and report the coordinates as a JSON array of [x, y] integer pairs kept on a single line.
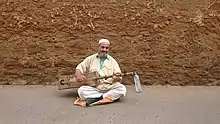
[[117, 77]]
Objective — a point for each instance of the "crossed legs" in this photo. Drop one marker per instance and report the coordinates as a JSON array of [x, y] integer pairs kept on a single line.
[[88, 92]]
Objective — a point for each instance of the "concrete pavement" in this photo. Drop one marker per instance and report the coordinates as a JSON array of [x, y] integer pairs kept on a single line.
[[155, 105]]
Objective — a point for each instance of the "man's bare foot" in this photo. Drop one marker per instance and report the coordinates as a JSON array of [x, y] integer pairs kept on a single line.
[[80, 102]]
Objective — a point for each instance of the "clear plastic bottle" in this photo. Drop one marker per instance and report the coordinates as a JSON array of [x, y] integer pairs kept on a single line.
[[137, 83]]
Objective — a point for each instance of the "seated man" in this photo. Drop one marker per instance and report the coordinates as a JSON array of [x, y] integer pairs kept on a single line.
[[108, 90]]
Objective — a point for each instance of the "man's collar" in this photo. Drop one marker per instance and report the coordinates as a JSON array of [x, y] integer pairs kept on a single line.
[[98, 56]]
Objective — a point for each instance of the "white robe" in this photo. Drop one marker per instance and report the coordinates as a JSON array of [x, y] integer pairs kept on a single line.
[[107, 87]]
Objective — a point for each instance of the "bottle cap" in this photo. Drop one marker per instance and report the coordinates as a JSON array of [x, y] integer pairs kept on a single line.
[[135, 73]]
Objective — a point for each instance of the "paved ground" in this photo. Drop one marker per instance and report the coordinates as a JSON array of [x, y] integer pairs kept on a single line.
[[155, 105]]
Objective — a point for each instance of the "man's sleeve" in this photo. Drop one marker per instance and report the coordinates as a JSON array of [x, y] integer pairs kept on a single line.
[[117, 68], [83, 66]]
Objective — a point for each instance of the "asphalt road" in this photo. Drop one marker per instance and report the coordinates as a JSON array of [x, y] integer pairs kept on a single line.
[[155, 105]]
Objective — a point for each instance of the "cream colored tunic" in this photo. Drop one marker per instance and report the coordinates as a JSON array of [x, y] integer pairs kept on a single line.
[[110, 67]]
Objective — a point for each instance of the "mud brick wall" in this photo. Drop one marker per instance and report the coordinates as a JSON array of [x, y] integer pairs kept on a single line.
[[167, 41]]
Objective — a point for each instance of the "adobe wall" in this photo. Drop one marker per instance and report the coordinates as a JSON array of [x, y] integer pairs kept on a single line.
[[168, 42]]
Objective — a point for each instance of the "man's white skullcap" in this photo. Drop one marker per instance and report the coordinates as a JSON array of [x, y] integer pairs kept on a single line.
[[104, 41]]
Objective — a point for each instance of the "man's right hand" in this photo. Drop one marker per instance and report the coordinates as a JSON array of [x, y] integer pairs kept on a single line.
[[79, 76]]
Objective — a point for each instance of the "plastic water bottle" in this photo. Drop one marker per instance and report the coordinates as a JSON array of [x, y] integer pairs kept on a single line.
[[137, 83]]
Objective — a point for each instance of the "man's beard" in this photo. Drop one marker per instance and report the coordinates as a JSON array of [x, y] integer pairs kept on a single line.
[[103, 54]]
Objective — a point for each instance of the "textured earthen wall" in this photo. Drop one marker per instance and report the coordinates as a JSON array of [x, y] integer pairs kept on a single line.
[[173, 42]]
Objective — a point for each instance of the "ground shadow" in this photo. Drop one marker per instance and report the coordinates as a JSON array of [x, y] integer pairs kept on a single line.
[[67, 93], [113, 104]]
